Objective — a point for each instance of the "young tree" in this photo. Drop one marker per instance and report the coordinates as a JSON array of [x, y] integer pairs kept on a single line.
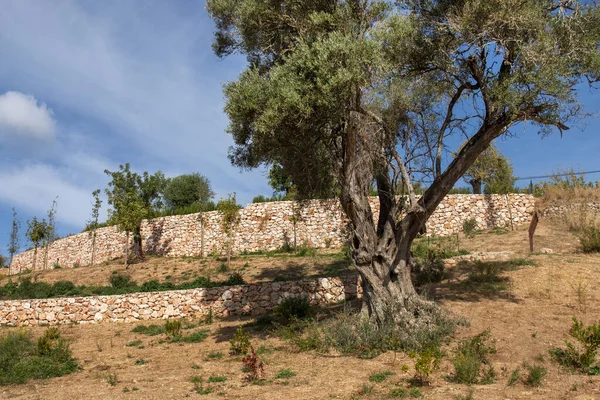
[[493, 170], [51, 231], [187, 190], [37, 232], [13, 242], [371, 91], [230, 212], [93, 222], [133, 197]]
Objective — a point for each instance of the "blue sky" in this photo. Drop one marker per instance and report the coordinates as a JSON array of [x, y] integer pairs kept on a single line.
[[88, 85]]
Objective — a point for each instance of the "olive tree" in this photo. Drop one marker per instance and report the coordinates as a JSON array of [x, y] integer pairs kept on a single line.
[[358, 92], [93, 222], [37, 232], [230, 217]]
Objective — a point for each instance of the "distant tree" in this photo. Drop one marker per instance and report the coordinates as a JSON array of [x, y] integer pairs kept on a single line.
[[133, 197], [93, 222], [229, 209], [3, 261], [187, 190], [13, 242], [493, 170], [37, 233]]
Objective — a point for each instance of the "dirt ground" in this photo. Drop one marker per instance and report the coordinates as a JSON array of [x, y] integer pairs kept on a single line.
[[531, 316]]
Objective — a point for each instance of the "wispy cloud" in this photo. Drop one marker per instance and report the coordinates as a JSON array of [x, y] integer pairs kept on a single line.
[[127, 82]]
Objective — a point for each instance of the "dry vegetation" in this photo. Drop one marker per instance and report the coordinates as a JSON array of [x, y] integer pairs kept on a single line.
[[527, 315]]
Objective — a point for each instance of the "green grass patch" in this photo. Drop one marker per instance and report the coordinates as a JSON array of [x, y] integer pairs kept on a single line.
[[379, 377], [285, 373]]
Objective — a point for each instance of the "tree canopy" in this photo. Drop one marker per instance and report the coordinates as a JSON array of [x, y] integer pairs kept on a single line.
[[356, 92], [186, 190]]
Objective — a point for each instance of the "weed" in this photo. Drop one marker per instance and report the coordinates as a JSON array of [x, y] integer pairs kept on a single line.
[[112, 379], [581, 356], [198, 383], [285, 373], [140, 361], [535, 375], [470, 227], [208, 319], [216, 378], [135, 343], [234, 279], [173, 328], [590, 239], [399, 392], [514, 377], [195, 337], [253, 366], [521, 262], [580, 290], [149, 330], [240, 343], [415, 393], [379, 377], [215, 355], [469, 357]]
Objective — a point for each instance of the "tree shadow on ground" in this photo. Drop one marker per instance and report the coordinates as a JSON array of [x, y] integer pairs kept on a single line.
[[475, 281], [294, 272]]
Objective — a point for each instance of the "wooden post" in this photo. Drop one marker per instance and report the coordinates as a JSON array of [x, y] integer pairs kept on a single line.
[[532, 226]]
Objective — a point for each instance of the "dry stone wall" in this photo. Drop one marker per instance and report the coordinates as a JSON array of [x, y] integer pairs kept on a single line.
[[268, 226], [223, 301]]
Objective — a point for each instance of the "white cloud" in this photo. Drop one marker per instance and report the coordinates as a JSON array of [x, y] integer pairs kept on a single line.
[[22, 116]]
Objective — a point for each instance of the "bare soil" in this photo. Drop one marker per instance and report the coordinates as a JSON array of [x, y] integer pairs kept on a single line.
[[532, 315]]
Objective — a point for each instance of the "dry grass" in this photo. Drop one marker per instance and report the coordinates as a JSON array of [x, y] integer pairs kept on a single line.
[[532, 315], [254, 268]]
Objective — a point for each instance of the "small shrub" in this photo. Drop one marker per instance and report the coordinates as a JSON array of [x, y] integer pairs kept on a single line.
[[140, 361], [240, 344], [580, 356], [173, 328], [216, 378], [487, 272], [590, 239], [469, 357], [121, 281], [285, 373], [254, 366], [234, 279], [199, 388], [223, 268], [293, 308], [399, 392], [520, 262], [426, 362], [429, 271], [379, 377], [470, 227], [135, 343], [535, 376], [22, 359]]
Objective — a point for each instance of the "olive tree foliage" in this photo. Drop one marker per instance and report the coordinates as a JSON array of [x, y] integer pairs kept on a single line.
[[356, 92], [493, 170], [187, 190], [133, 197]]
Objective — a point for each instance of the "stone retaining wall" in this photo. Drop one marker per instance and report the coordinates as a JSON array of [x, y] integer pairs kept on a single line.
[[268, 226], [222, 301]]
